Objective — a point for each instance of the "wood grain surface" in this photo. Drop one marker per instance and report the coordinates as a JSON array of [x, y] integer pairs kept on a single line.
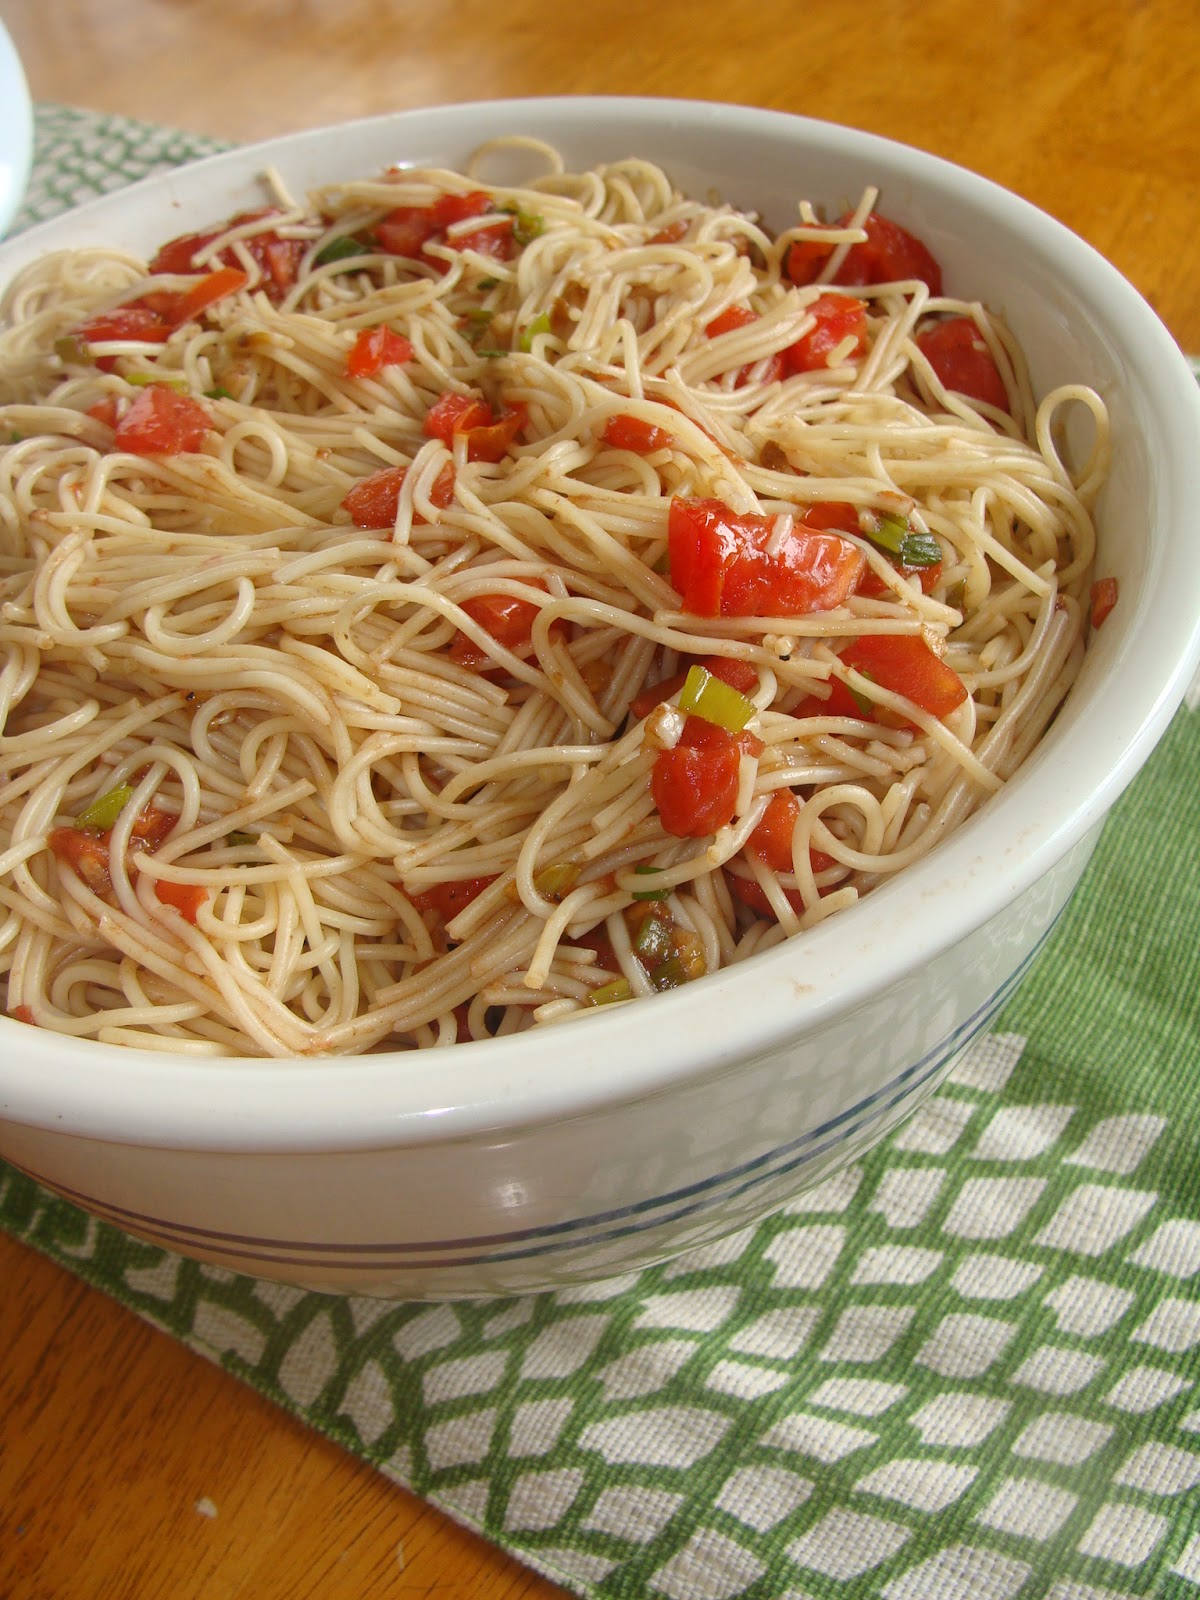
[[111, 1436]]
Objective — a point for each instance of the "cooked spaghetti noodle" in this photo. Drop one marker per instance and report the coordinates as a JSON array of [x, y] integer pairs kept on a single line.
[[340, 716]]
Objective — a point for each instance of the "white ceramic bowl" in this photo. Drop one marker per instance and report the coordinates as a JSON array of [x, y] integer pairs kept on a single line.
[[525, 1162], [16, 130]]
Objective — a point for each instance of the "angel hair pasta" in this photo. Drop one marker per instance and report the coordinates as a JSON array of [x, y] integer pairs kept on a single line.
[[436, 609]]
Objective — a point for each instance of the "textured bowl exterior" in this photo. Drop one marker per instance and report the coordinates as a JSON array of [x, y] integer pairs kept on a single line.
[[604, 1144]]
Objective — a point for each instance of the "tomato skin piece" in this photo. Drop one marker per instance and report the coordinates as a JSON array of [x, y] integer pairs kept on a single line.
[[889, 254], [721, 567], [161, 422], [904, 663], [490, 441], [695, 788], [959, 355], [187, 898], [839, 317], [626, 432], [376, 348], [1103, 599], [374, 501], [455, 413], [446, 900], [136, 322], [507, 618], [216, 286]]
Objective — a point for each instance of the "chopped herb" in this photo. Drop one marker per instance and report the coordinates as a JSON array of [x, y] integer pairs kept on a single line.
[[609, 993], [539, 325], [69, 348], [527, 225], [488, 283], [142, 380], [475, 324], [103, 812], [707, 696], [340, 249], [236, 839], [217, 394], [650, 894], [555, 882], [895, 535], [15, 437]]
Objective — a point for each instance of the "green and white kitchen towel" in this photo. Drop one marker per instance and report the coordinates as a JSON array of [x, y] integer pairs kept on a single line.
[[966, 1368]]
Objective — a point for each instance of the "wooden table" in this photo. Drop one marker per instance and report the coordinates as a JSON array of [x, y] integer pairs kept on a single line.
[[109, 1433]]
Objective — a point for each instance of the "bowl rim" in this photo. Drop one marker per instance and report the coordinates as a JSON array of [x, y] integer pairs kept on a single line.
[[16, 130], [150, 1097]]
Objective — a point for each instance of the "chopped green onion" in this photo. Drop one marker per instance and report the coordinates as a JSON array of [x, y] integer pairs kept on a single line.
[[103, 812], [920, 550], [69, 348], [236, 839], [669, 974], [653, 943], [914, 549], [217, 394], [555, 882], [527, 225], [863, 702], [143, 380], [488, 283], [650, 894], [888, 531], [610, 993], [15, 437], [540, 324], [340, 249], [707, 696]]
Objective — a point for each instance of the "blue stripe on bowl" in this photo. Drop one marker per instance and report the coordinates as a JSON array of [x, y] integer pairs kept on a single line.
[[604, 1227]]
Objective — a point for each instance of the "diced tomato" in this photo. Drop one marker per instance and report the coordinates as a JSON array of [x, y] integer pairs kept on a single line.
[[839, 317], [508, 619], [700, 734], [804, 260], [904, 663], [671, 234], [840, 702], [87, 850], [277, 259], [451, 208], [161, 422], [376, 348], [1104, 598], [695, 788], [496, 240], [959, 355], [187, 898], [374, 501], [889, 254], [832, 515], [446, 900], [721, 566], [455, 413], [771, 840], [133, 322], [490, 442], [772, 367], [625, 432], [731, 318], [106, 411], [739, 675], [488, 436], [872, 585], [406, 231]]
